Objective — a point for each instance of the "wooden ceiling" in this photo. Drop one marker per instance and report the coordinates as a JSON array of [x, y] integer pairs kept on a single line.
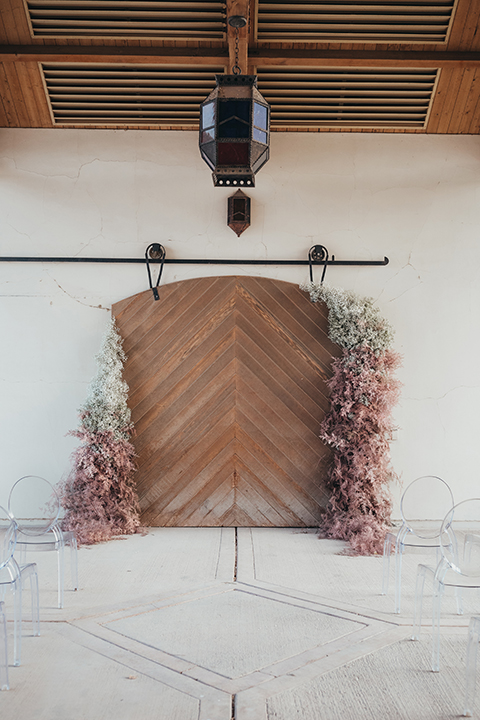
[[336, 65]]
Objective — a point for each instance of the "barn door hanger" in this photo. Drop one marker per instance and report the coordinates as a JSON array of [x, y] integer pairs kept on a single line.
[[156, 253], [318, 254]]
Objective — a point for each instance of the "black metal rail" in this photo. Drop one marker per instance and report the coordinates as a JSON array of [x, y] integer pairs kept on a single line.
[[192, 261]]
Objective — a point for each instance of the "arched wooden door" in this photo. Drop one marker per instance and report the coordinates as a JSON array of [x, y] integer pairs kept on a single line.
[[227, 380]]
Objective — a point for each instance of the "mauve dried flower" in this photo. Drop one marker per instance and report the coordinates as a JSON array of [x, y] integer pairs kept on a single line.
[[359, 425], [99, 496]]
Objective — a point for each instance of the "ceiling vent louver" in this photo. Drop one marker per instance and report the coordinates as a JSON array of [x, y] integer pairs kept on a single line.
[[177, 19], [130, 95], [138, 95], [347, 97], [362, 21]]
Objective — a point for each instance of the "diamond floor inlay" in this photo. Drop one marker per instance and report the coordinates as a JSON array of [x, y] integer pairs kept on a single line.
[[234, 632]]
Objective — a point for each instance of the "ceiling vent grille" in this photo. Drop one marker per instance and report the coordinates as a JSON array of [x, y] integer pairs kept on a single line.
[[133, 18], [129, 95], [363, 21], [347, 97]]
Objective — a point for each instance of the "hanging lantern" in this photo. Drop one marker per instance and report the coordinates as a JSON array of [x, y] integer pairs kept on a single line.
[[238, 216], [235, 128]]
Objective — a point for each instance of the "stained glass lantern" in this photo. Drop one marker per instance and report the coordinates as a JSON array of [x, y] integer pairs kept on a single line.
[[235, 130]]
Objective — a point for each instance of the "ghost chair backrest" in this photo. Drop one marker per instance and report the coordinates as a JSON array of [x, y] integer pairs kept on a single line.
[[424, 504], [35, 505]]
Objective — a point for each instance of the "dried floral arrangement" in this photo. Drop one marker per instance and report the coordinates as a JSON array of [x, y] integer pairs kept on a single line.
[[358, 427], [99, 496]]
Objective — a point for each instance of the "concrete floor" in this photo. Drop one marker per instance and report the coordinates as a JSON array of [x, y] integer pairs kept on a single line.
[[210, 624]]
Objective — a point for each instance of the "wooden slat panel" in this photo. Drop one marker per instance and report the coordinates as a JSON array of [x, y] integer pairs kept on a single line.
[[15, 22], [15, 96], [227, 390], [445, 85], [450, 101], [470, 39], [23, 96], [459, 118], [10, 110], [465, 21], [30, 82], [3, 113], [472, 108]]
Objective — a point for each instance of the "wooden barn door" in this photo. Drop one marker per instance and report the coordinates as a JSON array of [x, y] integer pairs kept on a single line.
[[227, 391]]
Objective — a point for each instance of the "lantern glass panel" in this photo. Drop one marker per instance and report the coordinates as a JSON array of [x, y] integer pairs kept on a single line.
[[234, 108], [260, 136], [209, 162], [233, 128], [239, 209], [208, 135], [261, 160], [260, 116], [233, 154], [208, 154], [208, 115]]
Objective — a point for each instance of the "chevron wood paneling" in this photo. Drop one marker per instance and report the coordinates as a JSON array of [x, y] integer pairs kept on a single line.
[[227, 382]]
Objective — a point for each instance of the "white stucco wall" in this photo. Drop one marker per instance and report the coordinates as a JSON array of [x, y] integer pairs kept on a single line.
[[415, 199]]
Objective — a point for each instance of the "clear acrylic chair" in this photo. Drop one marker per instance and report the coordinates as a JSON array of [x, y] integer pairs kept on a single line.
[[471, 673], [428, 492], [35, 505], [13, 576], [459, 567], [3, 651]]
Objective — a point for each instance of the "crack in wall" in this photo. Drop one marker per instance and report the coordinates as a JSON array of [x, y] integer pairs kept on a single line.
[[395, 275], [56, 175], [441, 397], [95, 307]]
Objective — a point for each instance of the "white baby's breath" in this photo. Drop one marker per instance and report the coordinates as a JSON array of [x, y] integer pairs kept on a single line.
[[106, 406], [353, 320]]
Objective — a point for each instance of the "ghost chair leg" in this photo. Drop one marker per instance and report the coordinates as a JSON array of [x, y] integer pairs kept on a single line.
[[437, 605], [422, 571], [3, 651], [387, 552], [399, 548], [471, 673]]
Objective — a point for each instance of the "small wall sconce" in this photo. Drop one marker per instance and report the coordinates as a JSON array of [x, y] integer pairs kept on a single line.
[[238, 212]]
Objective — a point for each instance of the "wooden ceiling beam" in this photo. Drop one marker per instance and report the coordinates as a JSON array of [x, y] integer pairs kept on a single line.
[[260, 57], [363, 58], [113, 54]]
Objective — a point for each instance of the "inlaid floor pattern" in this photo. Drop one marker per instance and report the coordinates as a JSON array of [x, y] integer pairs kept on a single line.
[[219, 624]]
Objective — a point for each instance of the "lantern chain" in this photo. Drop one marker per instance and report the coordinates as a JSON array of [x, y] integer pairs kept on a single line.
[[237, 70], [237, 21]]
